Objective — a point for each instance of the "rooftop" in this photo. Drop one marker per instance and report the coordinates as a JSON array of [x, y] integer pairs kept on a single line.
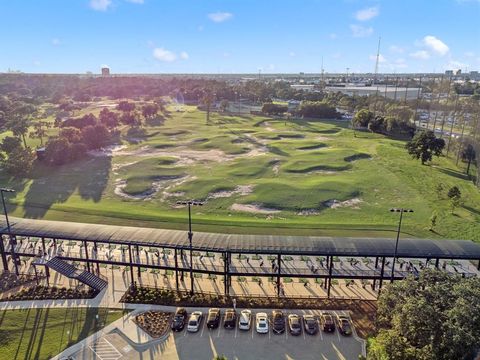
[[454, 249]]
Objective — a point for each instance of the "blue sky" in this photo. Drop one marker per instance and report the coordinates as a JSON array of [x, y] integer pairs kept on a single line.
[[209, 36]]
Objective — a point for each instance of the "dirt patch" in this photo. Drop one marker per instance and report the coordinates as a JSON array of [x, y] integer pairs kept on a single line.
[[276, 168], [253, 208], [335, 204], [322, 138], [307, 212], [107, 151], [239, 190]]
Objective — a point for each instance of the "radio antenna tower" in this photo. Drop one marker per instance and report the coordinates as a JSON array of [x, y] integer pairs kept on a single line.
[[322, 68], [376, 62]]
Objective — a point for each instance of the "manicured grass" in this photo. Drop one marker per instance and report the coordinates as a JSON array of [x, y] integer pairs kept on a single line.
[[298, 167], [43, 333]]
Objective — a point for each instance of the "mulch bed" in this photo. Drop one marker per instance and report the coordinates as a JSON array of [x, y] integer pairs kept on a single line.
[[362, 311], [40, 292], [155, 323]]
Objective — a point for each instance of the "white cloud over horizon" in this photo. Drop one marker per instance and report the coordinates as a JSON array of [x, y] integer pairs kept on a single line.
[[100, 5], [219, 17], [367, 14], [420, 54], [360, 31], [165, 55], [436, 45]]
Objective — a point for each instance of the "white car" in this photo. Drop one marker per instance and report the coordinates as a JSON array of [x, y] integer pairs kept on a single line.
[[262, 323], [245, 321], [195, 321]]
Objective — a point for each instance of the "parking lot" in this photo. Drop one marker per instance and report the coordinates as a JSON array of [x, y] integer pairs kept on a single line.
[[238, 344], [233, 343]]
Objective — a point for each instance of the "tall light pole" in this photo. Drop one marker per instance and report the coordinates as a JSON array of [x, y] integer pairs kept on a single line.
[[4, 258], [401, 211], [189, 203]]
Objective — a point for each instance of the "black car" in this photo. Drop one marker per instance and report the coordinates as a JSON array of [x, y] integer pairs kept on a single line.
[[294, 324], [328, 324], [344, 326], [213, 318], [179, 319], [230, 319], [310, 324], [278, 320]]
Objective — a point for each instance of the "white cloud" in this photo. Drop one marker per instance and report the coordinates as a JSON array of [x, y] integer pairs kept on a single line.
[[219, 17], [56, 42], [164, 55], [100, 5], [454, 64], [200, 28], [469, 54], [436, 45], [184, 55], [292, 54], [361, 31], [420, 54], [333, 36], [381, 58], [367, 14], [135, 1], [396, 49]]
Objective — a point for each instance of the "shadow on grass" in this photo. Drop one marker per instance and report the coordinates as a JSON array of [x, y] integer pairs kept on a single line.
[[54, 185], [472, 210], [454, 173]]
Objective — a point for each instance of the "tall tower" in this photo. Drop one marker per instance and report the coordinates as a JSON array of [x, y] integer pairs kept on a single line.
[[376, 62]]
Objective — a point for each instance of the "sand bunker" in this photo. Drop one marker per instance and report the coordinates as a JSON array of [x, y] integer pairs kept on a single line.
[[307, 212], [253, 208], [239, 190], [157, 185], [335, 204]]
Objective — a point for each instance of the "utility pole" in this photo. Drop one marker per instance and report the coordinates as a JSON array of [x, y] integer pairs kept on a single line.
[[376, 62]]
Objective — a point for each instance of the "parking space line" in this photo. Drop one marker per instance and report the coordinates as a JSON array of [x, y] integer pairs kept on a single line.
[[338, 335], [286, 334], [321, 335], [204, 325], [252, 331], [219, 329], [236, 329]]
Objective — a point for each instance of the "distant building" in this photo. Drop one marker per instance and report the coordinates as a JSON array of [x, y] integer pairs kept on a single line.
[[304, 87], [453, 72], [449, 72], [389, 92], [105, 71]]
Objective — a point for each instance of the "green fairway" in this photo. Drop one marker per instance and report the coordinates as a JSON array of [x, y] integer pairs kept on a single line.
[[43, 333], [257, 175]]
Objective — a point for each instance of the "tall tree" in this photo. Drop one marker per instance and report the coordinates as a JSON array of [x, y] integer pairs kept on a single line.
[[40, 130], [425, 145], [19, 119], [436, 317]]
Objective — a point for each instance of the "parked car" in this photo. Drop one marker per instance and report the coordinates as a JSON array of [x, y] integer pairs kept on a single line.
[[179, 319], [278, 320], [261, 323], [230, 319], [343, 325], [213, 318], [310, 324], [195, 321], [327, 322], [245, 321], [294, 324]]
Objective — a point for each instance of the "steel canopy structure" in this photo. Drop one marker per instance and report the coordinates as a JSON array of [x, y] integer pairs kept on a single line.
[[320, 257], [278, 244]]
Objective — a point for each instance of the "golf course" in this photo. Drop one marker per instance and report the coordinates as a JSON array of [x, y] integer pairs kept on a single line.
[[255, 175]]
